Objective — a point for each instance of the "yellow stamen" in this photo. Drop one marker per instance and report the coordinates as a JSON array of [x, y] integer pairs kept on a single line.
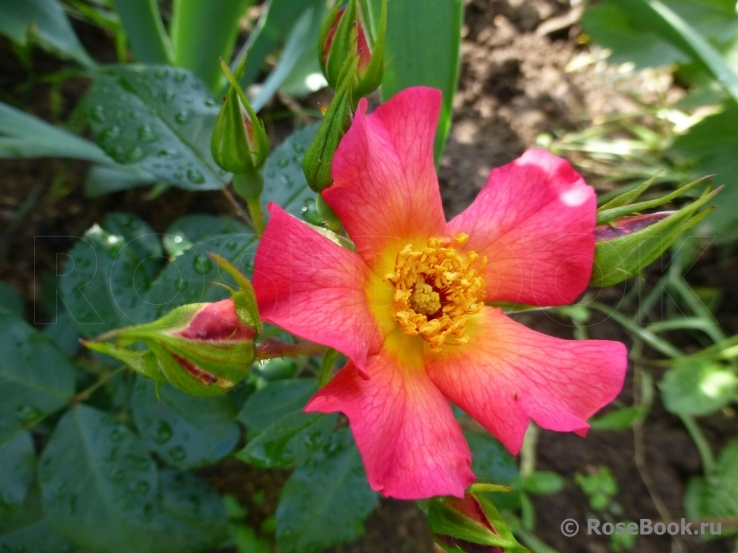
[[435, 289]]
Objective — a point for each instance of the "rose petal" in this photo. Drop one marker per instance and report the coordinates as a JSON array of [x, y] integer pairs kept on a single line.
[[386, 190], [314, 288], [411, 445], [534, 221], [508, 373]]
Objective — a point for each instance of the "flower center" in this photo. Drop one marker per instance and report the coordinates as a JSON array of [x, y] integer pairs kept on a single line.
[[435, 289]]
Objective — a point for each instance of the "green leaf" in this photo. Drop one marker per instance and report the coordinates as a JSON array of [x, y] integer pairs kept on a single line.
[[138, 236], [325, 502], [193, 515], [30, 530], [46, 21], [716, 496], [10, 300], [99, 484], [187, 432], [203, 31], [195, 228], [609, 25], [102, 490], [35, 377], [144, 30], [619, 419], [284, 181], [675, 29], [289, 441], [300, 44], [422, 48], [34, 137], [190, 277], [103, 180], [101, 286], [543, 483], [277, 399], [711, 145], [698, 388], [18, 460], [159, 118]]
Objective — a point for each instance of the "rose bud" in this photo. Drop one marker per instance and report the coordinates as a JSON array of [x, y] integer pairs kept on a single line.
[[471, 524], [239, 143], [345, 32]]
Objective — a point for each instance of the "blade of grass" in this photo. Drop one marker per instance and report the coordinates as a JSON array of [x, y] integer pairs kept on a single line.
[[145, 30], [681, 34], [203, 31], [304, 35], [273, 29], [423, 41], [46, 21]]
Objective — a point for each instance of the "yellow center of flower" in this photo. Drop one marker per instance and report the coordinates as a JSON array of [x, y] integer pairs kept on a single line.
[[435, 289]]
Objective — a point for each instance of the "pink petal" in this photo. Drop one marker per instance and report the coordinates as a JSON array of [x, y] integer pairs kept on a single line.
[[508, 373], [314, 288], [410, 442], [386, 190], [534, 221]]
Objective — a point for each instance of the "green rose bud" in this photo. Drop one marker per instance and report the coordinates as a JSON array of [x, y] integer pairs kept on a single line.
[[239, 142], [346, 33]]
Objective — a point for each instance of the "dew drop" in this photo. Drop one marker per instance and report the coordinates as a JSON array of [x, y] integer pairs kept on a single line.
[[195, 176], [163, 431], [202, 264], [177, 453], [135, 154], [26, 413], [98, 113], [145, 134], [111, 133], [284, 162], [181, 116], [181, 284]]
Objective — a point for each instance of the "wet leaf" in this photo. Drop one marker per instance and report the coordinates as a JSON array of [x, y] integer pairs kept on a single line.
[[35, 377], [284, 181], [325, 502], [185, 431], [159, 118], [18, 460]]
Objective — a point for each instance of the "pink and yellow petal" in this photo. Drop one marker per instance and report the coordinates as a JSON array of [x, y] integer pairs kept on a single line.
[[508, 374], [534, 220], [404, 428], [385, 188], [314, 288]]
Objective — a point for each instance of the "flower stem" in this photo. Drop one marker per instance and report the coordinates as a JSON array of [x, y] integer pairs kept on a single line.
[[256, 216], [271, 349], [703, 446]]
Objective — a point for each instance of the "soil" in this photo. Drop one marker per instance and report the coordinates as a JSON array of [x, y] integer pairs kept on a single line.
[[519, 78]]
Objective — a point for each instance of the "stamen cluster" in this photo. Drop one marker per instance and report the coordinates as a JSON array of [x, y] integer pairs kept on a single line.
[[435, 289]]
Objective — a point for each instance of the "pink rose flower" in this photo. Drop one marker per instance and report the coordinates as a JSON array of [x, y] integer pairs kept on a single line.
[[408, 308]]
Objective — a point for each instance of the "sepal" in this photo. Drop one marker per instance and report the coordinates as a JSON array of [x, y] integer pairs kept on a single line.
[[625, 242], [471, 524]]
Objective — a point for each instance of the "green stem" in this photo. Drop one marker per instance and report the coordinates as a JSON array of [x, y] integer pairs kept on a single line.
[[271, 349], [703, 446], [83, 395], [326, 366], [528, 451], [104, 379], [256, 216]]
